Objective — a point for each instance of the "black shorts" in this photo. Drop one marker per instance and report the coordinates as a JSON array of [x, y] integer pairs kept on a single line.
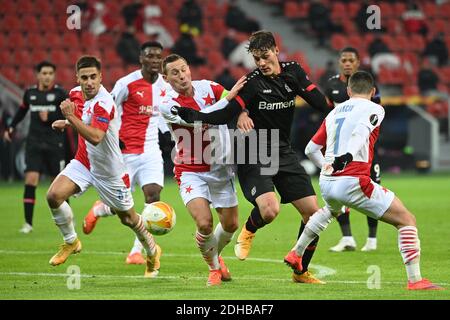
[[375, 169], [291, 181], [43, 157]]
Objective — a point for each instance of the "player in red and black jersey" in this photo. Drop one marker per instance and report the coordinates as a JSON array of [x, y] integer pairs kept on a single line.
[[44, 146], [336, 92], [268, 98]]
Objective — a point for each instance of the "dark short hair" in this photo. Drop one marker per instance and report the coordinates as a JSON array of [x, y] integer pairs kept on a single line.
[[261, 40], [169, 59], [361, 82], [151, 44], [43, 64], [350, 49], [88, 62]]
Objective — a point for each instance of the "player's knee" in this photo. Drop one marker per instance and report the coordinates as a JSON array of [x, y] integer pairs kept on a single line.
[[54, 200], [150, 198], [205, 226], [126, 220], [408, 219], [230, 226], [269, 211]]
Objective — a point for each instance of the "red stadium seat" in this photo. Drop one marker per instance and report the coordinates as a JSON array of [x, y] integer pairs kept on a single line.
[[5, 57], [26, 7], [8, 8], [430, 9], [39, 54], [51, 41], [66, 75], [412, 90], [47, 23], [111, 58], [338, 42], [59, 58], [417, 43], [10, 73], [15, 40], [34, 41], [29, 23], [399, 7], [11, 23], [338, 11], [70, 40], [21, 57], [291, 10], [387, 9], [26, 76], [352, 9]]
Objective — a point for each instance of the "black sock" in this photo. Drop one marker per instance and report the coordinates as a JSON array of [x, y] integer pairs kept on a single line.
[[254, 221], [373, 224], [344, 223], [29, 198], [310, 249]]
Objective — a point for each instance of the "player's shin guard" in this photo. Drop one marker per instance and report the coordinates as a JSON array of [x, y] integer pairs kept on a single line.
[[63, 218], [29, 199], [222, 237], [208, 248], [309, 251], [255, 221], [145, 237], [409, 246], [318, 222]]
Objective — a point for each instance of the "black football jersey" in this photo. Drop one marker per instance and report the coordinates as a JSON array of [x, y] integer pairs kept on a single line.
[[35, 101], [336, 91], [271, 100]]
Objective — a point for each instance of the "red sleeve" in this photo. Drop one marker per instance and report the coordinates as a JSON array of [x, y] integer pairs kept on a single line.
[[77, 98], [320, 137], [101, 117]]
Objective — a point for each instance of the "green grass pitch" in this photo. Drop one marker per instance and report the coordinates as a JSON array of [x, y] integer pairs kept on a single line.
[[26, 274]]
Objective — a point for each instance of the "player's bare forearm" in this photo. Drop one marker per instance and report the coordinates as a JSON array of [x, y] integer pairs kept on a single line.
[[316, 99], [60, 125], [91, 134]]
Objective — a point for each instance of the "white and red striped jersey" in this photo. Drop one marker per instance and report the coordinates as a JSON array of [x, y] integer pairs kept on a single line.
[[336, 131], [137, 101], [191, 157], [105, 159]]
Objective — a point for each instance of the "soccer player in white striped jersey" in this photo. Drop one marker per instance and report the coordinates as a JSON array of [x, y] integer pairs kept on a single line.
[[202, 182], [98, 163], [349, 133], [137, 96]]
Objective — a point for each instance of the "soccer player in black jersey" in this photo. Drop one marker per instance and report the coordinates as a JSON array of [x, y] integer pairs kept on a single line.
[[268, 98], [336, 92], [44, 146]]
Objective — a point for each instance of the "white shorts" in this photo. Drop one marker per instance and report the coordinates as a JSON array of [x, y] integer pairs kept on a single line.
[[221, 193], [145, 168], [112, 191], [360, 193]]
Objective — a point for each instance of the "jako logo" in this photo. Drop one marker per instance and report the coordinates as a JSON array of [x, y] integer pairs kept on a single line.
[[275, 105]]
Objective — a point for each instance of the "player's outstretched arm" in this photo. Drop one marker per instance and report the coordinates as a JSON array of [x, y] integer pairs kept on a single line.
[[91, 134], [217, 117]]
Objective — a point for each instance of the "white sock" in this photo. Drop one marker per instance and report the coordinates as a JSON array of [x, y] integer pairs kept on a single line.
[[145, 237], [318, 222], [63, 218], [137, 247], [409, 246], [102, 210], [222, 237], [208, 247]]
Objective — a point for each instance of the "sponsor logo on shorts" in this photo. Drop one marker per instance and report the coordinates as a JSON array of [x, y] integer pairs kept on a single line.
[[253, 191]]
